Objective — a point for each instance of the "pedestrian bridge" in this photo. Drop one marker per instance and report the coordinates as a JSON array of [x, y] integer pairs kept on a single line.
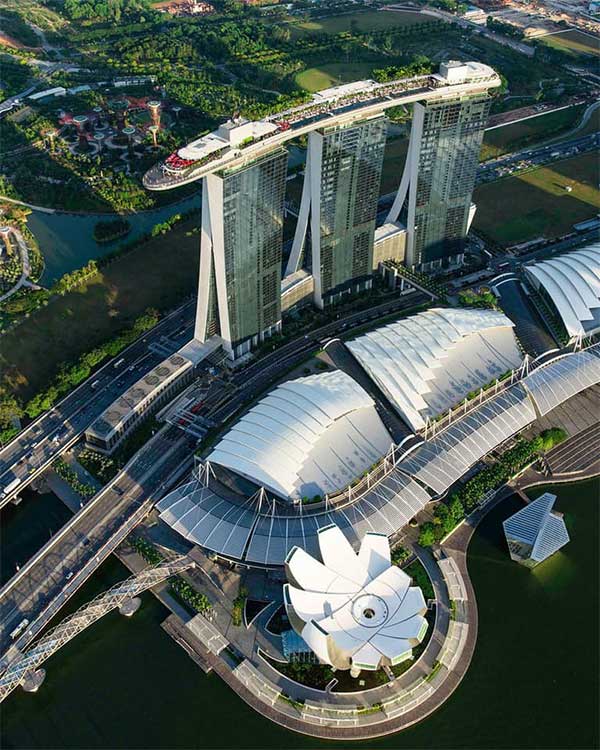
[[25, 665]]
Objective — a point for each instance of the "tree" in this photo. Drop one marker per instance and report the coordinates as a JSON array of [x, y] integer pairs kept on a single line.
[[456, 509], [10, 409], [427, 534]]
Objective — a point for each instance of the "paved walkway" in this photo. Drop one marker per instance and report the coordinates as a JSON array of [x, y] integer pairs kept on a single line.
[[419, 691], [398, 704], [25, 264], [405, 700], [576, 459]]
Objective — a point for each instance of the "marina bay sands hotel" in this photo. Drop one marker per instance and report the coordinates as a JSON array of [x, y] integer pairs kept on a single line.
[[337, 246]]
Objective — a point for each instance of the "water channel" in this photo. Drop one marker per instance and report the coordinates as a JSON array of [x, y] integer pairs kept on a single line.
[[532, 683], [66, 239]]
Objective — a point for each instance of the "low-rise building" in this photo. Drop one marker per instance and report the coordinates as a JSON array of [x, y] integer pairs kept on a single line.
[[389, 243], [297, 290], [48, 93], [355, 611], [146, 396], [307, 438], [429, 362], [570, 285], [535, 532]]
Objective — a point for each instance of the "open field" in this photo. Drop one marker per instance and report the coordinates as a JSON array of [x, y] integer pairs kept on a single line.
[[365, 21], [592, 125], [447, 42], [535, 204], [315, 79], [574, 42], [158, 273], [508, 138]]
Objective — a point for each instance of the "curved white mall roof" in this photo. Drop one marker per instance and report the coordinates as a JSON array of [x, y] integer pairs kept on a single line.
[[572, 281], [428, 362], [308, 437], [354, 610]]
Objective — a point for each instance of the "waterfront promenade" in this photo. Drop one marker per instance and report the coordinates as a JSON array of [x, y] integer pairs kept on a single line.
[[236, 653], [385, 709], [431, 680]]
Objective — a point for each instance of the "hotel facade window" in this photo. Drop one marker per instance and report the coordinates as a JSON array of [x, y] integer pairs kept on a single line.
[[241, 253]]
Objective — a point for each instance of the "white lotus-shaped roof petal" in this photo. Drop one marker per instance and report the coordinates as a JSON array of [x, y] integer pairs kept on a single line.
[[353, 609]]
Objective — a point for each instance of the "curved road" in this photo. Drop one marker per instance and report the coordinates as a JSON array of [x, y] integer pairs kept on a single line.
[[582, 123]]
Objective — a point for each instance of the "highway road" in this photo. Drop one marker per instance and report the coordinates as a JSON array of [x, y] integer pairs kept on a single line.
[[53, 432], [255, 378], [515, 163], [503, 261], [34, 449], [46, 582]]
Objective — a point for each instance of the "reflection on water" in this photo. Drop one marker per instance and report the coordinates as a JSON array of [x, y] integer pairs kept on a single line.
[[67, 242], [532, 683], [26, 527], [556, 573]]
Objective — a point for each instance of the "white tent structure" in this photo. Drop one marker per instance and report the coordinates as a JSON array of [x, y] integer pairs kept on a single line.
[[310, 436], [354, 611], [572, 284], [536, 531], [429, 362]]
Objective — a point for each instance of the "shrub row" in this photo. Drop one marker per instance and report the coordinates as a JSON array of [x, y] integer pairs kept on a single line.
[[71, 376], [189, 595], [447, 516], [238, 606], [179, 586], [65, 472]]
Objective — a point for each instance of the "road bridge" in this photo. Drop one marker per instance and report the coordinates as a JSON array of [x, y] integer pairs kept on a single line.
[[42, 586], [24, 666]]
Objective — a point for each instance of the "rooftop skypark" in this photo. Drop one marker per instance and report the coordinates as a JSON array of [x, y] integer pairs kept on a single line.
[[239, 140]]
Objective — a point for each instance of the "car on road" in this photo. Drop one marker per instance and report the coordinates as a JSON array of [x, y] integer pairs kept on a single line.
[[19, 629]]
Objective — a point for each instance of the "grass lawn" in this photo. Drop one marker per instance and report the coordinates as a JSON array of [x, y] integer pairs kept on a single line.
[[156, 274], [371, 20], [592, 125], [333, 74], [517, 209], [574, 42], [517, 135]]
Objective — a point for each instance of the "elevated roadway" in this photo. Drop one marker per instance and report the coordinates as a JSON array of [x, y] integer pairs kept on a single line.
[[56, 430], [121, 595], [42, 586], [46, 582]]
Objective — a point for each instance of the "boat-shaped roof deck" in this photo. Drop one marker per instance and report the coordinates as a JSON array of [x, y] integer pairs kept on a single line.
[[240, 141]]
